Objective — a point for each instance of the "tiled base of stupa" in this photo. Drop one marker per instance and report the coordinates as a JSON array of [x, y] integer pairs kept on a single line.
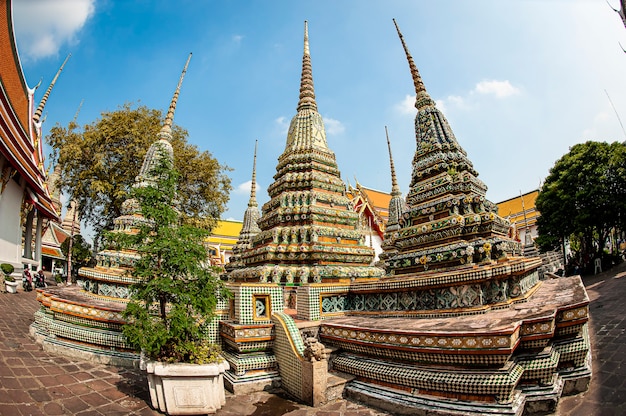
[[75, 321], [518, 356], [78, 323]]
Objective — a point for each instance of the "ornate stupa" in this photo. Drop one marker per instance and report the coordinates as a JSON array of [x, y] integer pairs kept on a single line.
[[86, 319], [449, 222], [309, 242], [462, 323], [309, 231], [396, 209], [250, 226]]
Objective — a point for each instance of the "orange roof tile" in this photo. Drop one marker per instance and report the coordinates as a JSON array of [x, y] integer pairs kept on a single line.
[[514, 209]]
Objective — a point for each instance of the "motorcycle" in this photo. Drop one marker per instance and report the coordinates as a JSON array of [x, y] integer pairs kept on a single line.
[[40, 280], [27, 281]]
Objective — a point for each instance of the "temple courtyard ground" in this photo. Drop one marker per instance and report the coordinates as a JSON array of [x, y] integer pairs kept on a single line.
[[33, 382]]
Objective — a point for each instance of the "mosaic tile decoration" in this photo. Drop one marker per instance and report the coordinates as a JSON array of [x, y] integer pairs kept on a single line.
[[96, 337], [408, 402], [247, 333], [574, 351], [77, 320], [42, 321], [540, 368], [124, 357], [242, 364], [247, 347], [289, 347], [500, 343], [309, 298], [568, 331], [535, 344], [251, 381], [499, 384], [105, 275], [89, 311], [244, 294], [323, 301], [435, 357], [476, 273], [212, 333], [572, 315]]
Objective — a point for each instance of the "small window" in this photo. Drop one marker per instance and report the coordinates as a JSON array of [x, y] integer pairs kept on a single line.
[[262, 308]]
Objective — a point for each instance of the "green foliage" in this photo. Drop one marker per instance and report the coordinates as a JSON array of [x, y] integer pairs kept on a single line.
[[100, 161], [81, 251], [175, 299], [7, 268], [584, 197]]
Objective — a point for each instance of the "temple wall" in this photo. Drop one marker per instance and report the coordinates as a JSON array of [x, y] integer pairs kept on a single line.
[[10, 229]]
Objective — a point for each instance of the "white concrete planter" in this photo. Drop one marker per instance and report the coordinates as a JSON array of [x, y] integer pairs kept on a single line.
[[186, 389], [11, 287]]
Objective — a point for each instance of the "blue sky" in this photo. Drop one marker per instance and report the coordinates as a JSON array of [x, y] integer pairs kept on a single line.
[[520, 82]]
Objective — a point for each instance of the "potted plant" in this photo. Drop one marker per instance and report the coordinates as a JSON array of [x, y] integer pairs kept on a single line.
[[174, 301], [9, 281]]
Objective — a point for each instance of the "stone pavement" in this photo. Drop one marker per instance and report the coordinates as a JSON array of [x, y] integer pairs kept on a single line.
[[33, 382]]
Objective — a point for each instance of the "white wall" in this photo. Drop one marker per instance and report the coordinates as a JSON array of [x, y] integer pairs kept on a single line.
[[10, 228]]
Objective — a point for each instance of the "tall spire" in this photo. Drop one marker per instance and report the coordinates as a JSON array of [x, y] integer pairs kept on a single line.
[[395, 189], [78, 110], [422, 98], [162, 147], [252, 215], [43, 101], [396, 204], [252, 202], [307, 93], [166, 130], [250, 226]]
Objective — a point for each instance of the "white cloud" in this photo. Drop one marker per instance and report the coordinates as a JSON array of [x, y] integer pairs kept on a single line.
[[406, 106], [282, 124], [333, 126], [605, 125], [237, 38], [602, 117], [244, 188], [500, 89], [42, 26]]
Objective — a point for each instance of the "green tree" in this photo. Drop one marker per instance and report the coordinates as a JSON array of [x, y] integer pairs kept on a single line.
[[99, 163], [584, 197], [172, 305], [81, 251]]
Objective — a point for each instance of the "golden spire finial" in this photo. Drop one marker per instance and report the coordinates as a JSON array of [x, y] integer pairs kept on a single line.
[[422, 98], [307, 92], [169, 118], [44, 99]]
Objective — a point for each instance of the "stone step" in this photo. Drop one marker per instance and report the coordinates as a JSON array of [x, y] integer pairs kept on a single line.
[[336, 383], [400, 402]]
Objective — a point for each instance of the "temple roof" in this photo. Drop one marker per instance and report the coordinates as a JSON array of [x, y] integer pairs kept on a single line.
[[18, 136], [225, 234], [514, 209]]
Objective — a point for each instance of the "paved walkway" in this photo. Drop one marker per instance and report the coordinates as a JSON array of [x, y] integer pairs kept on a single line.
[[33, 382]]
